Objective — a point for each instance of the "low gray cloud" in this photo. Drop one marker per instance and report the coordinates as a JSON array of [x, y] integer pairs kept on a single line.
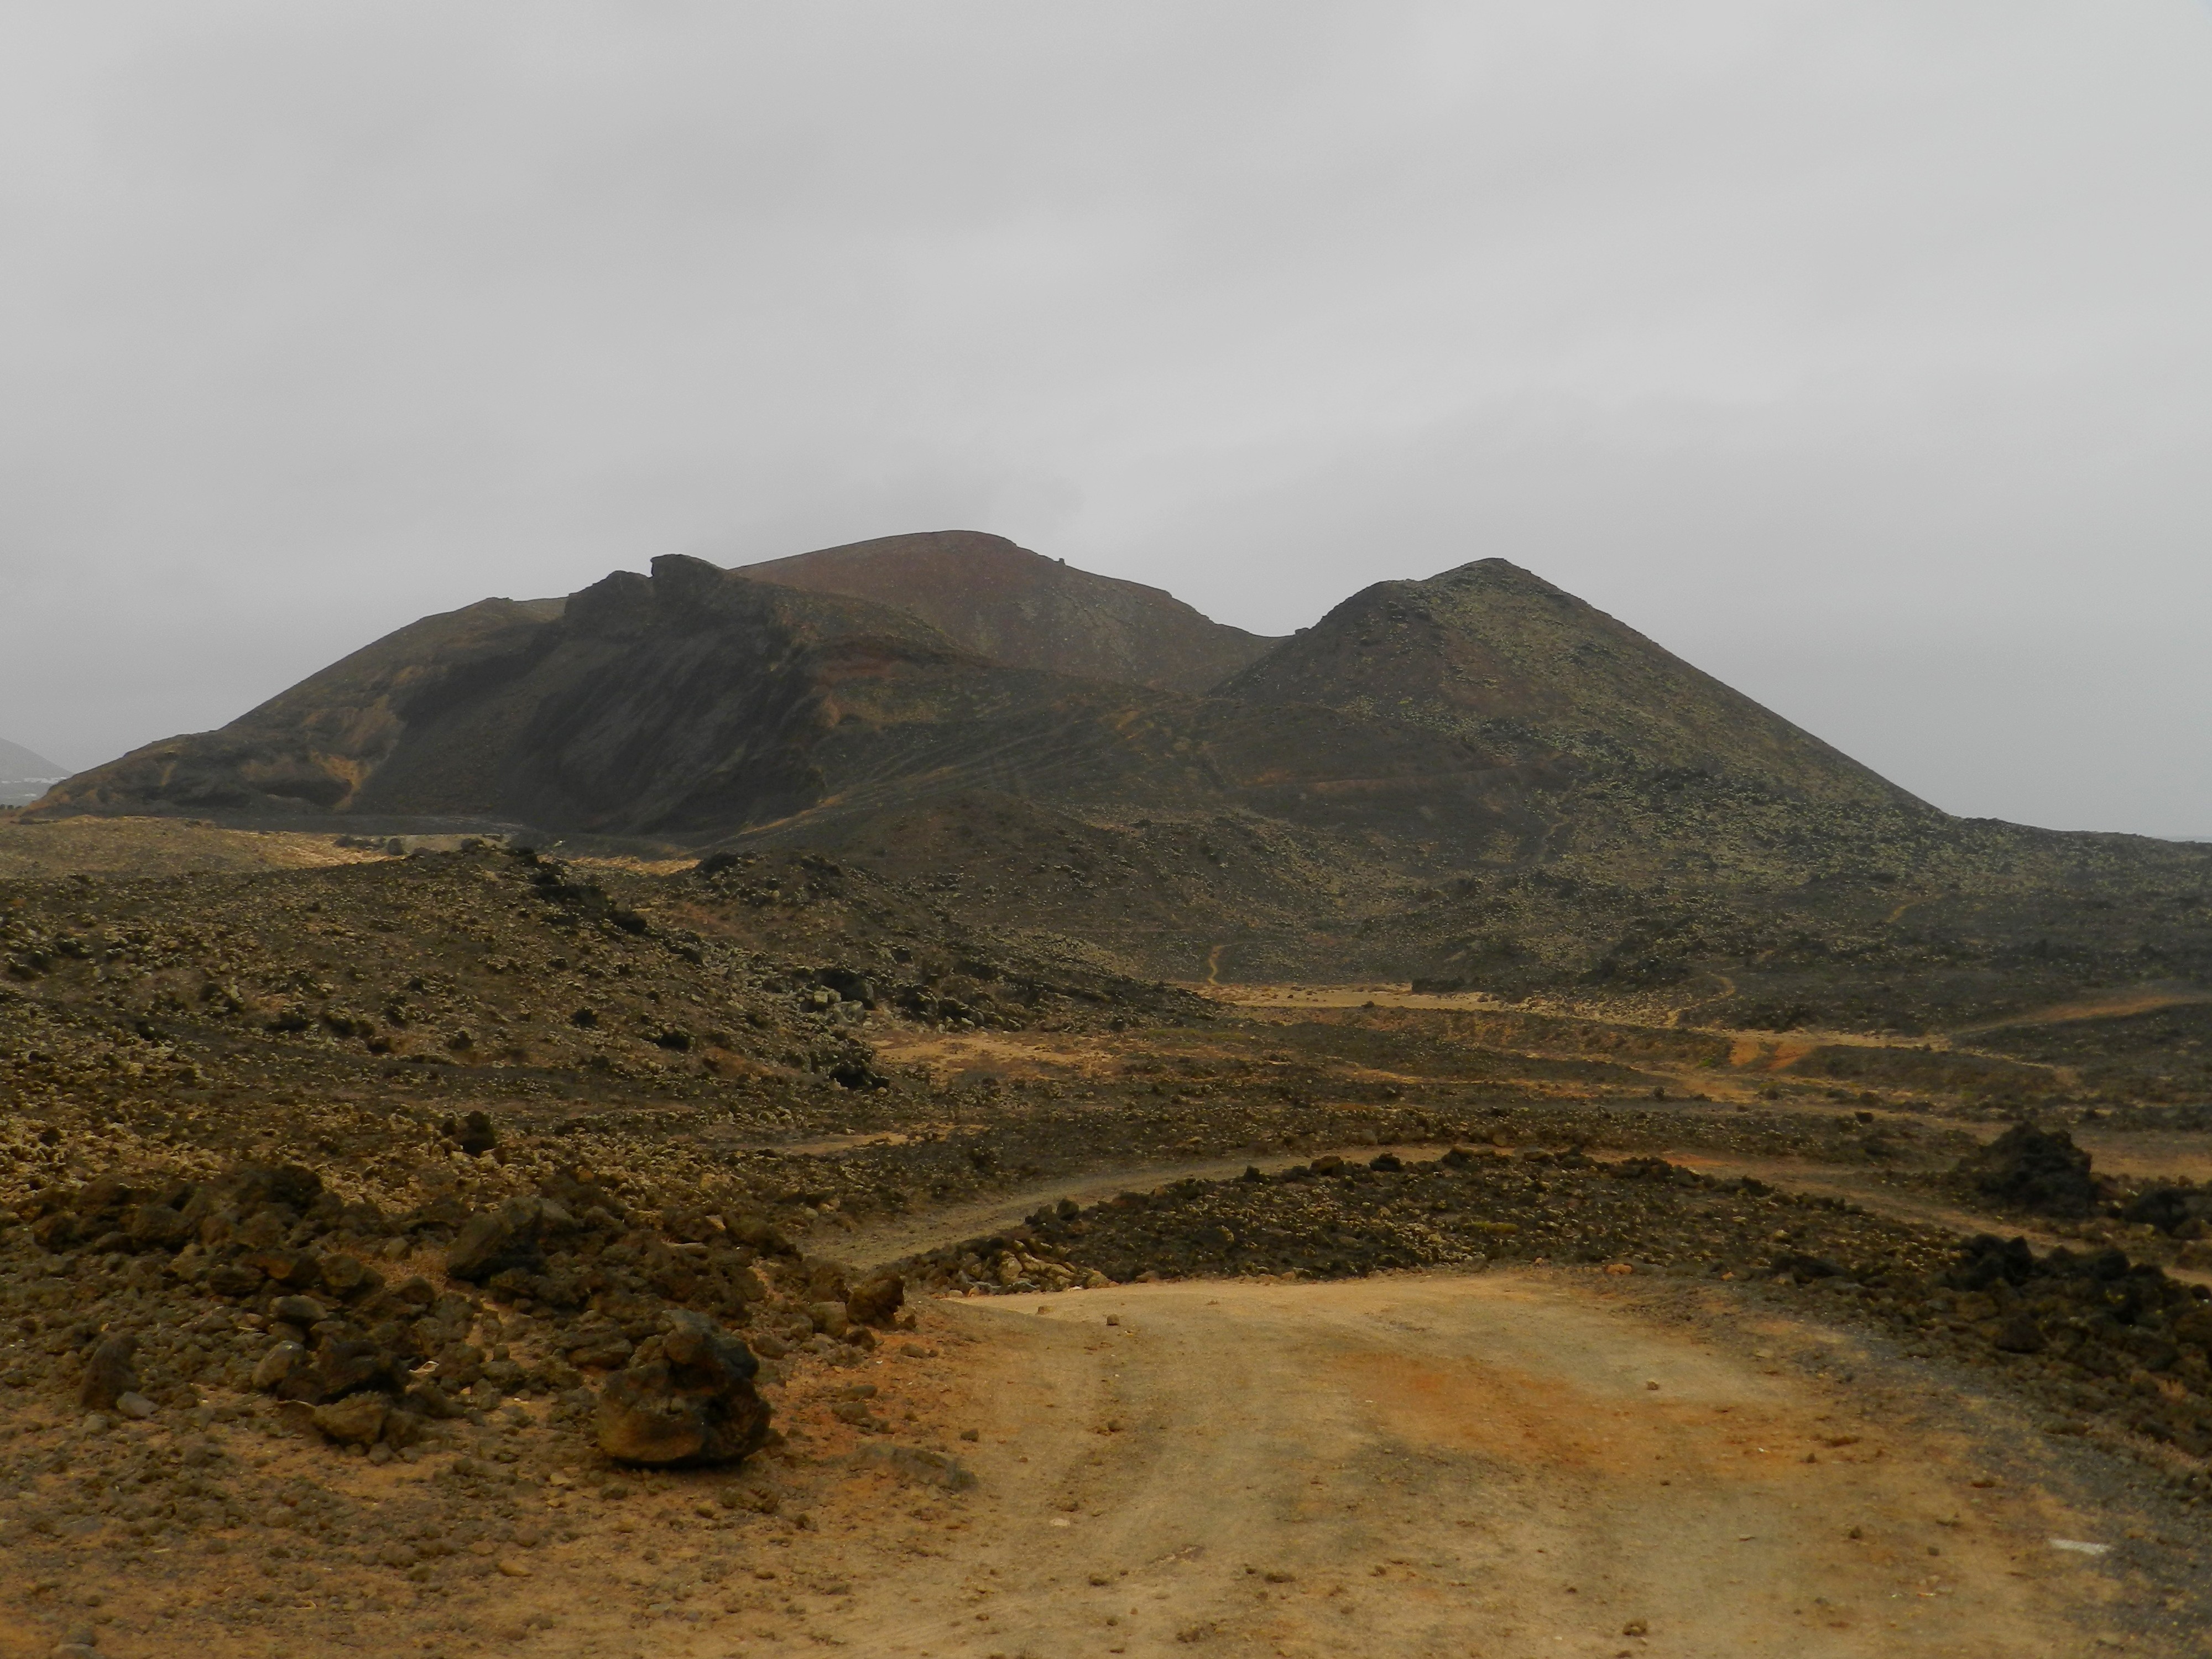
[[1857, 351]]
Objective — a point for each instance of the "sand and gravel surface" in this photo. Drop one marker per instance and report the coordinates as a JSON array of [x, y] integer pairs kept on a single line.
[[1491, 1331], [1512, 1463], [1530, 1462], [1533, 1459]]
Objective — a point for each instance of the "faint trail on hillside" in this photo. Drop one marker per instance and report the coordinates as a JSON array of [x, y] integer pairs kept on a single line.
[[2118, 1005]]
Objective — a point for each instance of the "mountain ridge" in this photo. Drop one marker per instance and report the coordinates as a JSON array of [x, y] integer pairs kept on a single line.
[[697, 703]]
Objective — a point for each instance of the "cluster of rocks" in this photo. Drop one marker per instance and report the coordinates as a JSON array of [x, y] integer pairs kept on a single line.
[[2034, 1170], [2037, 1171], [2124, 1325], [2180, 1209], [1336, 1217], [1003, 1265], [140, 1294], [2098, 1335]]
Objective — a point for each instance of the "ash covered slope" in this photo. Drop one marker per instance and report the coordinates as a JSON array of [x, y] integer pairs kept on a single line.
[[1503, 659], [1017, 607]]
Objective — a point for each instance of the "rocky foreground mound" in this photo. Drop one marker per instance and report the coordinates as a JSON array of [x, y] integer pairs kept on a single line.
[[372, 1331]]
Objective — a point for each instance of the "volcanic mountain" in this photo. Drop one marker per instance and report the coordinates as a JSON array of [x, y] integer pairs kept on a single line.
[[696, 703], [1474, 777]]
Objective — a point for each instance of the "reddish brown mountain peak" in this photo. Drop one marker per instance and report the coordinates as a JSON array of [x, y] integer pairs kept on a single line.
[[1004, 602]]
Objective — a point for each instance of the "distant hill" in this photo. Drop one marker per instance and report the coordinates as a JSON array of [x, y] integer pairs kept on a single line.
[[1017, 607], [1476, 778], [25, 776]]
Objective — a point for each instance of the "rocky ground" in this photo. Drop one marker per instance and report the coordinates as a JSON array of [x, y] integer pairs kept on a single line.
[[2108, 1343], [222, 1397], [379, 1233]]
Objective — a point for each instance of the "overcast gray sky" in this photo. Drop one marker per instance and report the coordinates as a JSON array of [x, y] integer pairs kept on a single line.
[[1857, 351]]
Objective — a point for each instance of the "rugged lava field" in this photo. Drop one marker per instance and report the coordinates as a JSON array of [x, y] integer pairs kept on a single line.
[[467, 1250]]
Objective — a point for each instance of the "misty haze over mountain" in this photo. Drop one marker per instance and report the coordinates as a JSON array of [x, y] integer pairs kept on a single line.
[[25, 776], [1858, 351]]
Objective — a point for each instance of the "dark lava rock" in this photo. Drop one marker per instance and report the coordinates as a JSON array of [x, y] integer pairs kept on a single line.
[[499, 1241], [292, 1185], [350, 1277], [2103, 1316], [108, 1371], [875, 1301], [357, 1419], [601, 1348], [278, 1364], [341, 1365], [297, 1270], [2173, 1209], [2041, 1171], [475, 1134], [686, 1397], [158, 1226], [433, 1401], [1805, 1268]]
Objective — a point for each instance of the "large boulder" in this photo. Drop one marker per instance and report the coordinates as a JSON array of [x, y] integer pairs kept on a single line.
[[158, 1227], [687, 1396], [356, 1420], [291, 1185]]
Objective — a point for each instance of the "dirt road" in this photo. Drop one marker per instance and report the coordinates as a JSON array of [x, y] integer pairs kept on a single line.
[[1509, 1464], [1517, 1464], [1512, 1464]]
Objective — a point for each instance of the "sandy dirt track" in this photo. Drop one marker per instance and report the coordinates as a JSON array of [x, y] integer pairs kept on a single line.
[[1441, 1465], [1508, 1464]]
